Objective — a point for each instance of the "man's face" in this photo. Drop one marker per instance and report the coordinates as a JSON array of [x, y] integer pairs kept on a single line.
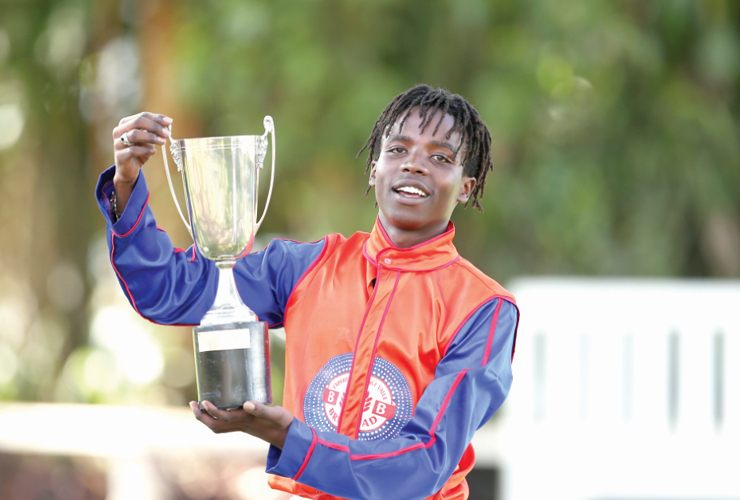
[[417, 182]]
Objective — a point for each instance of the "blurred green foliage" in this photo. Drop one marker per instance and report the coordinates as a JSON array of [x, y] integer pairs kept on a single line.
[[615, 127], [614, 123]]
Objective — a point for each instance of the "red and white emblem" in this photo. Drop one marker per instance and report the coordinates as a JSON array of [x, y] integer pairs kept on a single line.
[[378, 406], [387, 406]]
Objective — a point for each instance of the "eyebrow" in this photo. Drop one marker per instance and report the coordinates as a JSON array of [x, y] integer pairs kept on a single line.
[[405, 138], [443, 144], [399, 137]]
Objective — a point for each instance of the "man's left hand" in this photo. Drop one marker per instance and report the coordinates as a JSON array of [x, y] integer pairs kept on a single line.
[[269, 423]]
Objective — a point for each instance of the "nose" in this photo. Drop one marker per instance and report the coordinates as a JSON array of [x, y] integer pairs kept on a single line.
[[414, 164]]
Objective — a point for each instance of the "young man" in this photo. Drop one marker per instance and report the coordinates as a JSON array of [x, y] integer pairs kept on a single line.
[[397, 350]]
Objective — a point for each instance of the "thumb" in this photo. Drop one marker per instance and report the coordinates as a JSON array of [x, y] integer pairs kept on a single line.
[[275, 413], [256, 408]]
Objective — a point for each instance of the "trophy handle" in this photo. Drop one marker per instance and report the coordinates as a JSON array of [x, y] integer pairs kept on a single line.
[[269, 129], [178, 161]]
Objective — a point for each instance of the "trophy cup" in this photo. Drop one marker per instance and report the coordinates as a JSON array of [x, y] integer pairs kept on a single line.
[[221, 179]]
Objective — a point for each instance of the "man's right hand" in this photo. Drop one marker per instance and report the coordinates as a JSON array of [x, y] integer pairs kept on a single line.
[[145, 131]]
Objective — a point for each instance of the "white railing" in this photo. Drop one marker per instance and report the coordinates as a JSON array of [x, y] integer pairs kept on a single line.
[[622, 389]]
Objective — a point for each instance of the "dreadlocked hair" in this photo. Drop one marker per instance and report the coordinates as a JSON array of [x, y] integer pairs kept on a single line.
[[475, 138]]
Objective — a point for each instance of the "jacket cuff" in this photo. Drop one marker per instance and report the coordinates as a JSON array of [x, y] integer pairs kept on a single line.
[[134, 207], [296, 452]]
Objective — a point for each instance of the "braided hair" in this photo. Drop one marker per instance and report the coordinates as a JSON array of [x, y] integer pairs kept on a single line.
[[475, 138]]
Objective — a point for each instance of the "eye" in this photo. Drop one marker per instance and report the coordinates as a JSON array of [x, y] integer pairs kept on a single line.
[[396, 149], [441, 158]]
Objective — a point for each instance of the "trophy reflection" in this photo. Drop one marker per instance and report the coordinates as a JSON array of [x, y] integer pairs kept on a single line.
[[221, 179]]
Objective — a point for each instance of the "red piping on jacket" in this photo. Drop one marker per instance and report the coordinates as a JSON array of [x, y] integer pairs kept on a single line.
[[375, 348], [310, 268], [141, 214], [491, 333], [130, 295], [464, 321], [367, 255], [393, 245], [424, 270], [446, 401], [334, 446], [180, 250], [112, 251], [357, 344], [308, 455], [315, 262]]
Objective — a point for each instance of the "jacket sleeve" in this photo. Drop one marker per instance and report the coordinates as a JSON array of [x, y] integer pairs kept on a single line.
[[470, 384], [171, 286]]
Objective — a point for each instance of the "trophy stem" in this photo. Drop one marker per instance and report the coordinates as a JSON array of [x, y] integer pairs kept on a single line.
[[228, 306]]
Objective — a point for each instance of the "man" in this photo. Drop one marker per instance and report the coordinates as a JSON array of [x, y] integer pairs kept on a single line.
[[397, 350]]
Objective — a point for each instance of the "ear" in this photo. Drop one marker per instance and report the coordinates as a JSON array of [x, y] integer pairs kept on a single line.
[[466, 189], [372, 174]]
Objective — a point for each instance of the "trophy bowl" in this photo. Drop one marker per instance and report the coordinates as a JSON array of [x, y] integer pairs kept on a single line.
[[221, 180]]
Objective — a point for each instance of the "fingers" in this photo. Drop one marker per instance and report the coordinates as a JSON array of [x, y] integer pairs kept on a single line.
[[128, 163], [165, 120], [140, 138], [216, 425], [142, 129], [145, 121], [234, 415], [203, 416], [143, 152], [143, 132], [250, 412], [196, 409], [269, 423]]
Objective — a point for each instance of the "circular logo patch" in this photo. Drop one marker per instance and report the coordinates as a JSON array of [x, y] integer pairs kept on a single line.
[[387, 405]]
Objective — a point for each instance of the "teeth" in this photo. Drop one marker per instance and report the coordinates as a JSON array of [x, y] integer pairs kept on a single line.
[[412, 190]]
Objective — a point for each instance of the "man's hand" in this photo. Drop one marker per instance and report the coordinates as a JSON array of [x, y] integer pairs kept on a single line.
[[269, 423], [143, 131]]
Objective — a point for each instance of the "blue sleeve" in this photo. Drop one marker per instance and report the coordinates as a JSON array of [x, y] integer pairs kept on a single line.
[[174, 286], [470, 384]]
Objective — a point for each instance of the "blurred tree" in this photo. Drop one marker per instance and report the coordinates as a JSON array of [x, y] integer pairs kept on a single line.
[[615, 123], [46, 213]]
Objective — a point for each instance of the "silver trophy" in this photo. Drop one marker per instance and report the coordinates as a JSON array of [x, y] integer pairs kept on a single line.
[[221, 179]]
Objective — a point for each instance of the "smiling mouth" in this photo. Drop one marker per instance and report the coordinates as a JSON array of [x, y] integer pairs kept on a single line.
[[411, 191]]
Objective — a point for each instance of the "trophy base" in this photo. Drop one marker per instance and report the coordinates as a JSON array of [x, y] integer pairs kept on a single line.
[[232, 363]]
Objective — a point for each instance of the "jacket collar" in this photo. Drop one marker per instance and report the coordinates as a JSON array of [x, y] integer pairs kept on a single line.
[[432, 254]]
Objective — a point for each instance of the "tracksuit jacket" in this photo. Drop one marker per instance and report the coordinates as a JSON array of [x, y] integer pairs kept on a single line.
[[394, 357]]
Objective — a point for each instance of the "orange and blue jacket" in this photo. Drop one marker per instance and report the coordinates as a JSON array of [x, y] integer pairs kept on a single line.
[[394, 357]]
